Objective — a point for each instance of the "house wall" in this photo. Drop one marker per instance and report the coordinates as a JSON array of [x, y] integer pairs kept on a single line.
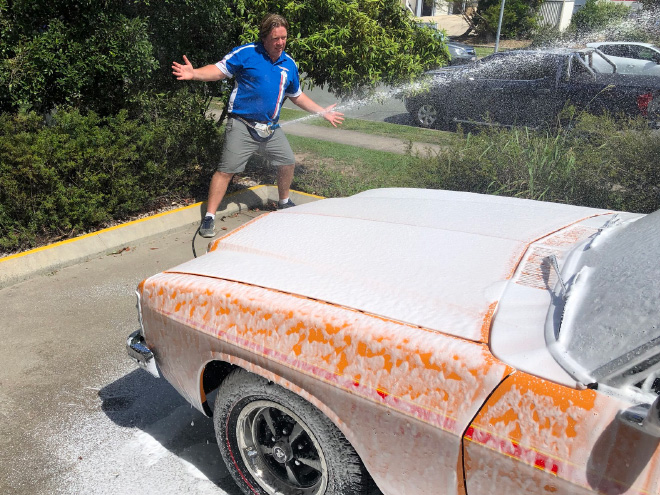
[[440, 7], [557, 13], [413, 6], [454, 7]]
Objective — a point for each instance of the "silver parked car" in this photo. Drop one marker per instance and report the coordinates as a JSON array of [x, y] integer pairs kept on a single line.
[[629, 57]]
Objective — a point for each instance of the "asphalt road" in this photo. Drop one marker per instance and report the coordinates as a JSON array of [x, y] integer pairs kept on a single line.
[[382, 107], [76, 415]]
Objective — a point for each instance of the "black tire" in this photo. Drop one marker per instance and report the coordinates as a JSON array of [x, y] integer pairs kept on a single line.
[[428, 115], [273, 441]]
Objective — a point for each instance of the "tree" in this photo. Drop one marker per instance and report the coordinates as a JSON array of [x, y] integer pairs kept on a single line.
[[596, 15], [520, 18], [84, 53], [105, 55]]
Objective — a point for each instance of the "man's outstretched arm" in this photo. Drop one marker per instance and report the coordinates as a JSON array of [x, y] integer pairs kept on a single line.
[[186, 72], [307, 104]]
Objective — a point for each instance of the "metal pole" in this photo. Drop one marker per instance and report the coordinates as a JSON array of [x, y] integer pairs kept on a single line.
[[499, 27]]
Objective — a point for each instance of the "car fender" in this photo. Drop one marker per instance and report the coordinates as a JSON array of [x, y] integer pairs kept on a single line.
[[378, 380], [534, 433]]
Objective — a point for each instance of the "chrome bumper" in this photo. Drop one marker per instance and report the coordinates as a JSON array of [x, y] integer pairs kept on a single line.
[[140, 353]]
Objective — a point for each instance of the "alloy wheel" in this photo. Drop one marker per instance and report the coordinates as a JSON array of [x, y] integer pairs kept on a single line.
[[279, 450]]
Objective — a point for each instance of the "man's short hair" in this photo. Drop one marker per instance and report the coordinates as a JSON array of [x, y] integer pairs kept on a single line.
[[270, 22]]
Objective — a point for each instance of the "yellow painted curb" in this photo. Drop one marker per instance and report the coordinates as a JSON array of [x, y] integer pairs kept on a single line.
[[44, 259]]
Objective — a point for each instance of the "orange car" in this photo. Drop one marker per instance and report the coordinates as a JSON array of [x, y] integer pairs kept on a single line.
[[421, 342]]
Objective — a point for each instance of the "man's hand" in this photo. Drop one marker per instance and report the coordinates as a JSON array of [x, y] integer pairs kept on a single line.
[[307, 104], [332, 116], [186, 72], [183, 72]]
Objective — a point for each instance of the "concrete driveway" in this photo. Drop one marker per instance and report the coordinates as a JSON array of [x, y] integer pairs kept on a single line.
[[76, 415]]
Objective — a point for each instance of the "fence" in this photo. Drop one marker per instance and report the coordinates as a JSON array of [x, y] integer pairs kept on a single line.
[[556, 13], [454, 7]]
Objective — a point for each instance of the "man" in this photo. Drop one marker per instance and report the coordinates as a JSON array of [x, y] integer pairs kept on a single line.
[[264, 75]]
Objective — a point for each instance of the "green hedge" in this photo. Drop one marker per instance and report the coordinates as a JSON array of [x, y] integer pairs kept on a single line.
[[72, 172], [597, 161]]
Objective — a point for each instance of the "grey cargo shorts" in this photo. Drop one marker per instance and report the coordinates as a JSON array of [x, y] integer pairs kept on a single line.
[[239, 147]]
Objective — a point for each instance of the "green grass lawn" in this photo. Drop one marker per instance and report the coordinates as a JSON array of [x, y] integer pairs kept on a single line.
[[331, 169], [483, 51], [404, 132]]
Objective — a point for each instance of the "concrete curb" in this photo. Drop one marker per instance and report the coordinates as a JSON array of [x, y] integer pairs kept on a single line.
[[22, 266]]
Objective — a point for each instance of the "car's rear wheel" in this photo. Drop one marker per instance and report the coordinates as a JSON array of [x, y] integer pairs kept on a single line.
[[427, 115], [274, 442]]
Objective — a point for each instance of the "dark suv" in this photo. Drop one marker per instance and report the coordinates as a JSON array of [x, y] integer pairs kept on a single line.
[[460, 52]]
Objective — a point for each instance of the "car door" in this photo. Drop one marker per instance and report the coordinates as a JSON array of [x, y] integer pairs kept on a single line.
[[632, 59], [511, 89], [580, 87], [535, 436], [473, 100], [646, 59], [527, 93]]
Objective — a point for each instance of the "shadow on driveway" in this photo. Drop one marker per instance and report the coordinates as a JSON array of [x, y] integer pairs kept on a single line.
[[138, 400]]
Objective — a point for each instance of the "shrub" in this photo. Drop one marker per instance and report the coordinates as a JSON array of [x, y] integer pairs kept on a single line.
[[597, 15], [517, 162], [63, 178], [624, 158], [519, 20], [597, 161]]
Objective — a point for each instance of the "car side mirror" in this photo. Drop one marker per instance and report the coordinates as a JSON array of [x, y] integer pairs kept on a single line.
[[644, 417]]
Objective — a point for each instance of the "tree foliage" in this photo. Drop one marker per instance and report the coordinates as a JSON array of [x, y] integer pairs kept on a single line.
[[597, 15], [351, 44], [105, 55], [519, 20], [87, 54]]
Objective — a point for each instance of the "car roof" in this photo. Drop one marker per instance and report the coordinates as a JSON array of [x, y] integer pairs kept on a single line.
[[548, 52]]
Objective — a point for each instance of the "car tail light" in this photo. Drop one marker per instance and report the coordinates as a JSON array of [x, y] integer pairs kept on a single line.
[[643, 102]]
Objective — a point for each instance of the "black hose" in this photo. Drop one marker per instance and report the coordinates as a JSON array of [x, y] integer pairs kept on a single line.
[[193, 241]]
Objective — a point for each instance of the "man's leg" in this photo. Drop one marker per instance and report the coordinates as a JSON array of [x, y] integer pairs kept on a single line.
[[280, 154], [217, 190], [284, 180]]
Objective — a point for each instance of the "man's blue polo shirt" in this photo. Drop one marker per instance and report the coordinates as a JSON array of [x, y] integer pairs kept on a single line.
[[261, 84]]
